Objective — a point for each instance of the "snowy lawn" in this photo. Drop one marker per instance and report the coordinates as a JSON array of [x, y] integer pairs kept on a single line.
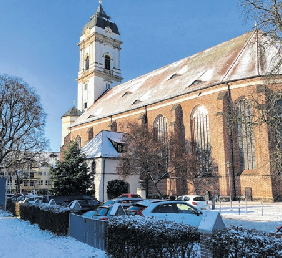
[[20, 239], [262, 217]]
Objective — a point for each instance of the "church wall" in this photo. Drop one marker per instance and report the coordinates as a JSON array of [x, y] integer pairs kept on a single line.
[[214, 103]]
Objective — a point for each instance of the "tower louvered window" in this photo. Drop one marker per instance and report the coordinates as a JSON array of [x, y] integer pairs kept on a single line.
[[246, 140], [201, 140], [107, 62], [87, 63]]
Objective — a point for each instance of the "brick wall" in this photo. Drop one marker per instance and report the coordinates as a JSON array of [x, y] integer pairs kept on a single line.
[[178, 112]]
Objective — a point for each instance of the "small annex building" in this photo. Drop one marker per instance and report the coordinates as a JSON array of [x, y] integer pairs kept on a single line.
[[193, 94], [102, 155]]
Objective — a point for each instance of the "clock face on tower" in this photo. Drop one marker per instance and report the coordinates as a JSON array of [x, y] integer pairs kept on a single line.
[[108, 31]]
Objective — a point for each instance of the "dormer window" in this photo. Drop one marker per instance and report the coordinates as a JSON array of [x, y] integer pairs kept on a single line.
[[173, 76], [87, 63], [108, 86], [107, 62]]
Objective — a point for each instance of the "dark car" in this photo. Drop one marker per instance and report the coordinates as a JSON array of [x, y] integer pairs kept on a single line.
[[129, 201], [82, 205]]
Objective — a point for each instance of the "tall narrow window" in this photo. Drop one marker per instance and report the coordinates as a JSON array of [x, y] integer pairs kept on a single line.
[[78, 141], [246, 140], [160, 128], [200, 131], [90, 134], [107, 62], [87, 63]]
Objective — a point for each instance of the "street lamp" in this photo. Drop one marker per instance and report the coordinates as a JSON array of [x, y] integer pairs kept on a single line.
[[230, 192]]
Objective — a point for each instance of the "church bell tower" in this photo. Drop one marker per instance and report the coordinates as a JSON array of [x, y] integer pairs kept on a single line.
[[99, 64]]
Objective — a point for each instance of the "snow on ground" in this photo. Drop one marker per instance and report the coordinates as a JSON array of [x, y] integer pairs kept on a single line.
[[20, 239], [260, 216]]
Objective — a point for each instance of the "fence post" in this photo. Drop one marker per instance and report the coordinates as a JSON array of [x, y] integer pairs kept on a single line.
[[211, 221]]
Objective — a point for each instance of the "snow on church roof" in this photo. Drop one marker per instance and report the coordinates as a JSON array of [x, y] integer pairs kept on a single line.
[[102, 145], [236, 59]]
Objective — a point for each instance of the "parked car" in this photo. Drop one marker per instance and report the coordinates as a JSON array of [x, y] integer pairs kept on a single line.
[[130, 195], [82, 205], [137, 208], [105, 212], [33, 199], [125, 201], [176, 211], [196, 200]]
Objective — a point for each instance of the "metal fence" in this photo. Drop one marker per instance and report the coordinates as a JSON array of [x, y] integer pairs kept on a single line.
[[89, 231]]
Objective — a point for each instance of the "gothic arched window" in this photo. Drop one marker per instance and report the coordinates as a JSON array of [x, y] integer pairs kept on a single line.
[[107, 62], [87, 63], [200, 132], [160, 128], [246, 140], [78, 141], [90, 134]]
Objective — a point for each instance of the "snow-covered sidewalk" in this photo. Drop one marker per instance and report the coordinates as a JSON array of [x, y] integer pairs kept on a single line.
[[20, 239]]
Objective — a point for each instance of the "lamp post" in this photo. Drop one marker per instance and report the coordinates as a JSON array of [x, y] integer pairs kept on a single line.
[[19, 180], [230, 191]]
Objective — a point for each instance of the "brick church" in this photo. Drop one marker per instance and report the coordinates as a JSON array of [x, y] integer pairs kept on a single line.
[[195, 92]]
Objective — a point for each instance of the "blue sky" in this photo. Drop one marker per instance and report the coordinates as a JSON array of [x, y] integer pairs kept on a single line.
[[39, 41]]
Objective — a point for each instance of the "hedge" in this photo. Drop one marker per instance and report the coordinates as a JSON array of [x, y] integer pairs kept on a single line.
[[51, 218], [134, 236]]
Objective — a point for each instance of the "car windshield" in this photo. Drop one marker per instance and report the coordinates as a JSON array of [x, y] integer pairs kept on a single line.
[[199, 198], [103, 211]]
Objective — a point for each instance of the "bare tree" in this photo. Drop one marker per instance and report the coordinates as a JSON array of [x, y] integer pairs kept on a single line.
[[22, 121], [154, 159]]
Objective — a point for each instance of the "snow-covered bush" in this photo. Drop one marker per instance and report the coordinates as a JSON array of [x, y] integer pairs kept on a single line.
[[238, 242], [134, 236]]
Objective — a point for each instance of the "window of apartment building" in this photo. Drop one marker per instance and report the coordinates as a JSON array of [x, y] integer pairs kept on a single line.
[[246, 140], [44, 173], [25, 182], [46, 182], [31, 175], [40, 173], [85, 104], [107, 62], [200, 132], [31, 183]]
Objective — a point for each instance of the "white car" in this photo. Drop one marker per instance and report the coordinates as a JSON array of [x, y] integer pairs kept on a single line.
[[176, 211], [196, 200]]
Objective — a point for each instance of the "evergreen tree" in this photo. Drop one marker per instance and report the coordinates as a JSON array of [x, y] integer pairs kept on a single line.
[[71, 175]]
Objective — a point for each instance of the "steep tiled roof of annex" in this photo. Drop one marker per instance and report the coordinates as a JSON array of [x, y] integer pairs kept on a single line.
[[72, 112], [102, 145], [236, 59], [102, 20]]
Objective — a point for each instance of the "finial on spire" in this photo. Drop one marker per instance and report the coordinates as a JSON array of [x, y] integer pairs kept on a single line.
[[100, 1], [74, 102]]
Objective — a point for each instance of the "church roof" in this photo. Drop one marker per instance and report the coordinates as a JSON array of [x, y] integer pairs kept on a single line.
[[102, 145], [236, 59], [102, 20], [72, 112]]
